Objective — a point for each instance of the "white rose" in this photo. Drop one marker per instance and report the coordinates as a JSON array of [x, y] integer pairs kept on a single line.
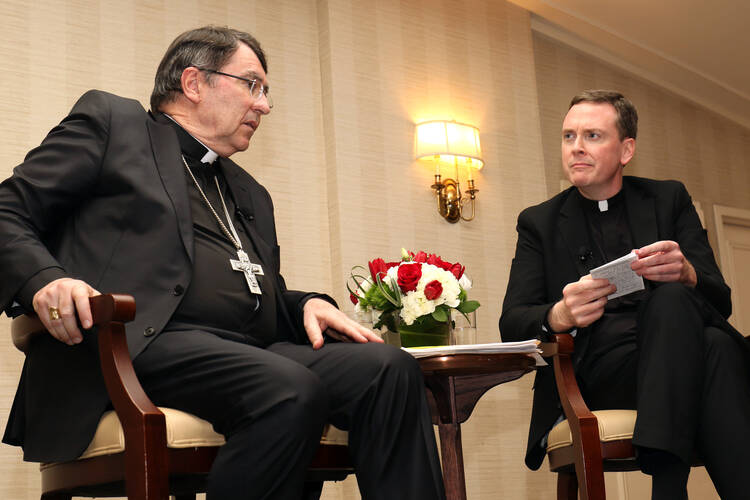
[[415, 304], [449, 296]]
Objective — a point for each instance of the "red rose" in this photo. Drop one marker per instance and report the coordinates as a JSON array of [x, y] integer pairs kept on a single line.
[[353, 298], [408, 276], [457, 270], [433, 289], [378, 267], [419, 257], [436, 261]]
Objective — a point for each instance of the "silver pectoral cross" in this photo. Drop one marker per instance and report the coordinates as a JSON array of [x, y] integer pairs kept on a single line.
[[249, 269]]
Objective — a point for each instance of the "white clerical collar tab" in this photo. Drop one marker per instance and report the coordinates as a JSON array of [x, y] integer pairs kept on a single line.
[[603, 205], [209, 157]]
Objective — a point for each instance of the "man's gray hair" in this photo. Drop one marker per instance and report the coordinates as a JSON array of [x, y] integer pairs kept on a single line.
[[209, 47]]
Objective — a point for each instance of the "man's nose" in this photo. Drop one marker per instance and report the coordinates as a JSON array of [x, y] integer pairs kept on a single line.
[[578, 145], [261, 105]]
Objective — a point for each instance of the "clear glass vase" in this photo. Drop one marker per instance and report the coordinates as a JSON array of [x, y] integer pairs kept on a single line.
[[419, 334]]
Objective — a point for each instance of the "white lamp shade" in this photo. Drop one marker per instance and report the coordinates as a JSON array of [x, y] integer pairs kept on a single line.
[[449, 140]]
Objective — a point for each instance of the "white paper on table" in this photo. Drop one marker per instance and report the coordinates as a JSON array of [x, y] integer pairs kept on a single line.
[[619, 273], [525, 346]]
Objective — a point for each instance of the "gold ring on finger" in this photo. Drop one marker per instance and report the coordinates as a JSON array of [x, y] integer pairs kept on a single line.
[[54, 313]]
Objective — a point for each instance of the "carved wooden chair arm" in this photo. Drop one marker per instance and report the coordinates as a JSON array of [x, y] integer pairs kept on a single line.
[[143, 423], [561, 350], [583, 423]]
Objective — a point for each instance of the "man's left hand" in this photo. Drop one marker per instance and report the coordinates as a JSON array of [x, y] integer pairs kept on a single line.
[[664, 261], [319, 316]]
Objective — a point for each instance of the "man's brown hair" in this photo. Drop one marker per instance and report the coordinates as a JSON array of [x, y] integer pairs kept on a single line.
[[627, 116]]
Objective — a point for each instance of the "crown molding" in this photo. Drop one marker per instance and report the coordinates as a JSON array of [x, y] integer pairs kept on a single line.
[[641, 61]]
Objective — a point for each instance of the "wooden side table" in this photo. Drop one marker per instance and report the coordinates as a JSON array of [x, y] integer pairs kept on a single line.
[[455, 383]]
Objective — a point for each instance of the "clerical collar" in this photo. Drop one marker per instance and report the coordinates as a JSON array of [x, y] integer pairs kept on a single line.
[[601, 205], [191, 146]]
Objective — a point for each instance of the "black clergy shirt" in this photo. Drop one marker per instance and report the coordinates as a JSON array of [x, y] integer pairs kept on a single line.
[[218, 299], [610, 238]]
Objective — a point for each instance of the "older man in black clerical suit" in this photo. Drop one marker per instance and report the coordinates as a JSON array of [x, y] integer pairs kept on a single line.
[[149, 204], [666, 351]]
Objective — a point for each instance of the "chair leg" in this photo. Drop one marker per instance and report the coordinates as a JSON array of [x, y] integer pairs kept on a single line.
[[312, 490], [567, 486]]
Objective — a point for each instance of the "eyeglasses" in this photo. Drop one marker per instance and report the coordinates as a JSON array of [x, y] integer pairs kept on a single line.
[[256, 88]]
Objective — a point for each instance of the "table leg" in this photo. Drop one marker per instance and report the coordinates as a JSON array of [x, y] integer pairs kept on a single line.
[[453, 461]]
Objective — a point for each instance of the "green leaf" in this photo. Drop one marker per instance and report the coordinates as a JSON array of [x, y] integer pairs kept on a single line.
[[468, 306], [441, 314]]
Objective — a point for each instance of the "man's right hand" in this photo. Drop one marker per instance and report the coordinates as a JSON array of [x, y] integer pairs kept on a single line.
[[67, 296], [582, 303]]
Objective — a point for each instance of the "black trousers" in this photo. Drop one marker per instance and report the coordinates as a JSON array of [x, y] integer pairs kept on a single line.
[[688, 381], [271, 405]]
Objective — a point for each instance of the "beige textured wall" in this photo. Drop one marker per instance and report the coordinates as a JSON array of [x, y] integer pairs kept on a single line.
[[350, 79], [677, 139]]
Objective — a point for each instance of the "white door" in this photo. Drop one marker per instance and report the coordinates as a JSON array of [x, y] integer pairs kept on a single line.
[[733, 233]]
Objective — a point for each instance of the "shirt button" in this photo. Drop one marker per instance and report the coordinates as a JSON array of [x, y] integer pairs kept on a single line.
[[149, 331], [178, 290]]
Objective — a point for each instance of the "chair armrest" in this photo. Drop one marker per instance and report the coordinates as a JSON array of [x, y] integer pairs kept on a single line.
[[104, 308], [24, 328], [583, 424], [561, 350], [143, 424], [110, 312]]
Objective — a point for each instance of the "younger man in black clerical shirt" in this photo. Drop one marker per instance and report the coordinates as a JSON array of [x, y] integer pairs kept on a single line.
[[666, 351], [121, 200]]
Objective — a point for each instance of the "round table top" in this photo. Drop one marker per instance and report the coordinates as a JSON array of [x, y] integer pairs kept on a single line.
[[476, 363]]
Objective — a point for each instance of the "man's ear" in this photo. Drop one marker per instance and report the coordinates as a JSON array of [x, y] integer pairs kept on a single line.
[[190, 82], [628, 150]]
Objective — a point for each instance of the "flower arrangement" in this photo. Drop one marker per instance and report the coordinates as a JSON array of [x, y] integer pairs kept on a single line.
[[419, 291]]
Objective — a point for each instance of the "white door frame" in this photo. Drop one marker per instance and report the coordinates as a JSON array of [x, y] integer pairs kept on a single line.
[[722, 216]]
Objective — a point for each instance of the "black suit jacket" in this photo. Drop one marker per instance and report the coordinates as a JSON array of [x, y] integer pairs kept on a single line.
[[104, 197], [550, 238]]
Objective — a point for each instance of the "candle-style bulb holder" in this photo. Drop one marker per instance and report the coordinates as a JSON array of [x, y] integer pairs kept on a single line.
[[450, 202]]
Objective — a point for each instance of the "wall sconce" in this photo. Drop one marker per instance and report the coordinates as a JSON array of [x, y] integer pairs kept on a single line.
[[454, 144]]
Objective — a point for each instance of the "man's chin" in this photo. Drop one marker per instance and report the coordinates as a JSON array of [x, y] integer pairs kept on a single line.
[[242, 145]]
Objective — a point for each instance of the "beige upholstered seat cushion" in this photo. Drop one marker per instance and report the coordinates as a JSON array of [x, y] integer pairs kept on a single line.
[[183, 431], [613, 425], [334, 435]]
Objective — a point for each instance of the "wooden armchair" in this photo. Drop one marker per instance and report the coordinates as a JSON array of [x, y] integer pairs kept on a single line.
[[586, 443], [140, 450]]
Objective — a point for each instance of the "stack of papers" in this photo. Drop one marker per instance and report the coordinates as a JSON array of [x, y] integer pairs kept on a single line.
[[526, 346]]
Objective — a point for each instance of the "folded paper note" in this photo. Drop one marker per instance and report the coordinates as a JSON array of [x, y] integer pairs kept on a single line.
[[619, 273]]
